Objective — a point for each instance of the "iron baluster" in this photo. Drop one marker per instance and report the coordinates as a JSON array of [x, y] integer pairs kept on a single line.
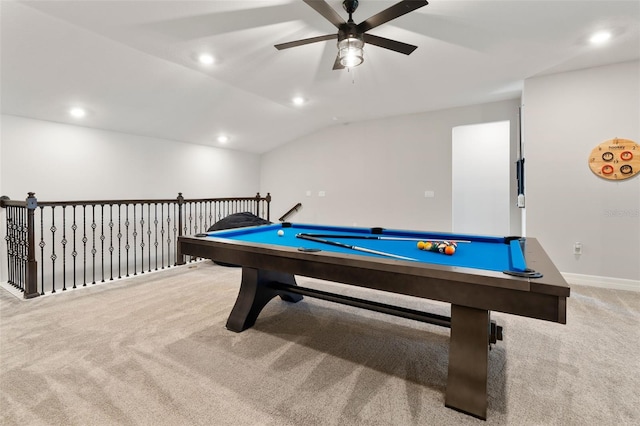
[[126, 227], [169, 235], [74, 253], [177, 214], [149, 234], [135, 237], [210, 215], [110, 242], [84, 245], [102, 237], [142, 237], [42, 244], [162, 234], [93, 241], [155, 223], [119, 241], [53, 249], [64, 248], [187, 231]]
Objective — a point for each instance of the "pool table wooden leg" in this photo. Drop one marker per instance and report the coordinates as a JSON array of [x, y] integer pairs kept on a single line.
[[255, 293], [468, 361]]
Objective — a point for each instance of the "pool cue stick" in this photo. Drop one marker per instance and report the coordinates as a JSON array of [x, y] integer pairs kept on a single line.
[[349, 246], [374, 237], [520, 163]]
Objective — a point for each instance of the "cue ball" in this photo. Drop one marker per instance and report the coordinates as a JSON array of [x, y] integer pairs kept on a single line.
[[280, 233]]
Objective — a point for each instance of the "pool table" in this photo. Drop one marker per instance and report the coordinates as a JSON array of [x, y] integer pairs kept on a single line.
[[486, 273]]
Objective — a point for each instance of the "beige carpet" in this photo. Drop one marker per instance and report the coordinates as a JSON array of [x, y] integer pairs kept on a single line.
[[153, 350]]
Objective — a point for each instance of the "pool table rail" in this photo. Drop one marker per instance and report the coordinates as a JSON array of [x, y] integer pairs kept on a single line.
[[536, 298]]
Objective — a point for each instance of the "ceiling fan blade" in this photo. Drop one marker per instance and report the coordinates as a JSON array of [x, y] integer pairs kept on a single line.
[[337, 65], [393, 12], [305, 41], [323, 8], [386, 43]]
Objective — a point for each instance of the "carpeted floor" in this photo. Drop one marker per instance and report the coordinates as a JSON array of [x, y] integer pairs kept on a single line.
[[153, 350]]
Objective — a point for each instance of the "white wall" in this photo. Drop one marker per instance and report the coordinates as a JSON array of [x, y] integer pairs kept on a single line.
[[376, 173], [64, 162], [564, 117], [61, 162]]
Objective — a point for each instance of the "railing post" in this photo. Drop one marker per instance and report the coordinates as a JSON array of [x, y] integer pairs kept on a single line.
[[268, 198], [257, 212], [179, 256], [31, 282]]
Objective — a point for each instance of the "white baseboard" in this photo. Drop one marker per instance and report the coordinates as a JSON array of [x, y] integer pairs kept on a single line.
[[602, 282]]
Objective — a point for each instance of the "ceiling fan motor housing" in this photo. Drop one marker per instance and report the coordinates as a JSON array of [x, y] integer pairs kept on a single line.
[[349, 30]]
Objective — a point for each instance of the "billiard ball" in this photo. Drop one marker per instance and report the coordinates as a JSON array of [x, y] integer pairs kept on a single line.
[[449, 250], [421, 245], [280, 233]]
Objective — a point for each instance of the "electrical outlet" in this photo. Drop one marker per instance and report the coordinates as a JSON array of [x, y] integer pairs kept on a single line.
[[577, 248]]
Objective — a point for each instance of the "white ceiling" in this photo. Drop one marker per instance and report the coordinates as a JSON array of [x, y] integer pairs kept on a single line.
[[131, 63]]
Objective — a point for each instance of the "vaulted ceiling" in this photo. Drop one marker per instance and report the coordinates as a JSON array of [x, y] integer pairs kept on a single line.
[[133, 64]]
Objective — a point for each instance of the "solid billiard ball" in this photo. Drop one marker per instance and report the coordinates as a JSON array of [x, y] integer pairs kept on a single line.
[[421, 245], [449, 250], [280, 233]]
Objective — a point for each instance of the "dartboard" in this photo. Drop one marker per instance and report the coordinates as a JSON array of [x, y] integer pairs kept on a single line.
[[615, 159]]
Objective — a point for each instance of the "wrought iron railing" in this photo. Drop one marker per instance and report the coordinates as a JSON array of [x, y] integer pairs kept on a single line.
[[54, 245]]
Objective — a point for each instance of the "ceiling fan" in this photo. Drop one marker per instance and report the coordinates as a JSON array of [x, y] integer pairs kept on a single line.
[[351, 36]]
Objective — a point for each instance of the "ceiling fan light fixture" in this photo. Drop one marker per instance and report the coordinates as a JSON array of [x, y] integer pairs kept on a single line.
[[350, 51]]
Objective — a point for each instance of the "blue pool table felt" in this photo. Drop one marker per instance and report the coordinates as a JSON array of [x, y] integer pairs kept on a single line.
[[482, 252]]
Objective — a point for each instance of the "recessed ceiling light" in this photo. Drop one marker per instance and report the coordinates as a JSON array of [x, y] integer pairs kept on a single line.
[[205, 59], [600, 37], [223, 139], [298, 100], [77, 112]]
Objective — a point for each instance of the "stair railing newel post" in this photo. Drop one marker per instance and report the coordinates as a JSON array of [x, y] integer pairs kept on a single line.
[[179, 256], [268, 198], [31, 282]]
